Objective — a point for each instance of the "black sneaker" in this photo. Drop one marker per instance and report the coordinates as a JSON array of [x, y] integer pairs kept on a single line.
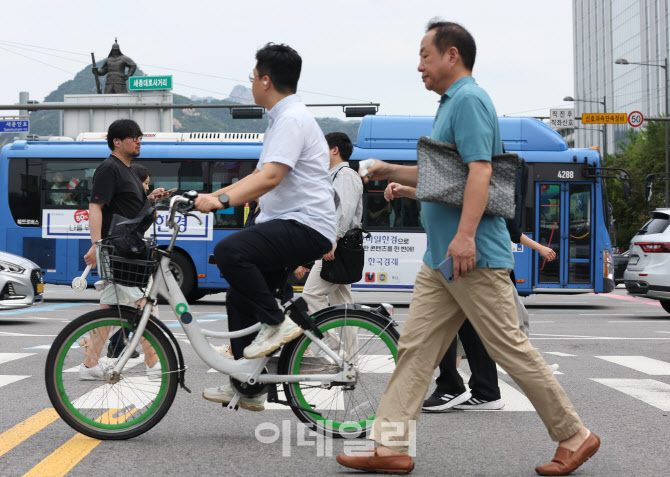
[[439, 402], [115, 353], [481, 405]]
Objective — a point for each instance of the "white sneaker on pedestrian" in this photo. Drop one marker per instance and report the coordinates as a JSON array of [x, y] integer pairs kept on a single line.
[[224, 394], [96, 373], [155, 373], [474, 404], [271, 337], [553, 367], [439, 402], [224, 351]]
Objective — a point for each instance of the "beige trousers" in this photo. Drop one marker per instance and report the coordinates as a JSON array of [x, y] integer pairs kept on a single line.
[[318, 292], [436, 313]]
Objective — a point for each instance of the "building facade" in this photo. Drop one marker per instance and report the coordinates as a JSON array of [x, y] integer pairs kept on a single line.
[[608, 30]]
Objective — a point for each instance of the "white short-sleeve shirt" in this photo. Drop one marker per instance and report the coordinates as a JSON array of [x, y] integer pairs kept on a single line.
[[306, 193]]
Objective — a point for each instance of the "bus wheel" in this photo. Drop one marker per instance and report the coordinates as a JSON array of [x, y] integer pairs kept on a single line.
[[184, 272]]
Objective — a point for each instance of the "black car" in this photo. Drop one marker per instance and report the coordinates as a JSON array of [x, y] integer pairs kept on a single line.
[[620, 264]]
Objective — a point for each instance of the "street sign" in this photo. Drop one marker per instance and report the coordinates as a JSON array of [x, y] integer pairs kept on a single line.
[[604, 118], [149, 83], [562, 118], [635, 119], [22, 125]]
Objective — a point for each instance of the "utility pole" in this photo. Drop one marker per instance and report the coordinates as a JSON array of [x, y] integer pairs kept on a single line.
[[23, 113]]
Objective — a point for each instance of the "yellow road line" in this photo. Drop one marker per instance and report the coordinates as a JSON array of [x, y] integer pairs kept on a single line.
[[22, 431], [63, 459]]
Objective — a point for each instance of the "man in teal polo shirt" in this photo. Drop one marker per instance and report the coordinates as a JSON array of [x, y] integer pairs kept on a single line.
[[481, 291]]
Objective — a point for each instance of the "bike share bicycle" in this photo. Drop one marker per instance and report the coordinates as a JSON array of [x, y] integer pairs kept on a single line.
[[330, 387]]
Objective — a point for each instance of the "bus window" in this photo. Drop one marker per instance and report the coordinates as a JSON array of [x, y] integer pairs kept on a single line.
[[223, 174], [67, 183], [550, 230], [23, 189], [185, 175], [579, 242], [398, 213]]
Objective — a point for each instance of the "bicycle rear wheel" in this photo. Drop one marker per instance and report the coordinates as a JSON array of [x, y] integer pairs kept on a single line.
[[110, 410], [364, 339]]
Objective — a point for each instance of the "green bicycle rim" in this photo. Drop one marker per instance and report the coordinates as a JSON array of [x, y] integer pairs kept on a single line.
[[340, 426], [92, 422]]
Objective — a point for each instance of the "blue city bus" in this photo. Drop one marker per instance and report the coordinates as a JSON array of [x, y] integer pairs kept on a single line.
[[44, 204]]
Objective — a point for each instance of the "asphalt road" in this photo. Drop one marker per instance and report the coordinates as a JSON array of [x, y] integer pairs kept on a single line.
[[614, 357]]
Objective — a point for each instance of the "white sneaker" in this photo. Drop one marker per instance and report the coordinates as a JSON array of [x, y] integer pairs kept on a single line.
[[96, 373], [224, 394], [473, 404], [154, 373], [271, 337], [224, 351]]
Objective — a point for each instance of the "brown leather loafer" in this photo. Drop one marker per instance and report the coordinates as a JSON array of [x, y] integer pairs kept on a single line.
[[565, 461], [371, 462]]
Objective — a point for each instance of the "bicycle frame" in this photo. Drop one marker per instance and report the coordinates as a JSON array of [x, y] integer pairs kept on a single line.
[[246, 371]]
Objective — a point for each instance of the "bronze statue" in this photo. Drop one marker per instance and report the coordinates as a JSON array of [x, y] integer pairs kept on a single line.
[[114, 67]]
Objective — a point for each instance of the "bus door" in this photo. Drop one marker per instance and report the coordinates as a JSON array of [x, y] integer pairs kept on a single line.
[[564, 222]]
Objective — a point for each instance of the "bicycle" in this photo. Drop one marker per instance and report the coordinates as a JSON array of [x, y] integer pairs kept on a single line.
[[329, 386]]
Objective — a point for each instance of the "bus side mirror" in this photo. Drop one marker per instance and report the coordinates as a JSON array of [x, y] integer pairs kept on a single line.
[[647, 187]]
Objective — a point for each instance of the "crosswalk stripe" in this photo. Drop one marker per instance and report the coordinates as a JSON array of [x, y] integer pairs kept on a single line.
[[9, 379], [649, 391], [650, 366], [63, 459], [8, 334], [7, 357], [558, 353], [22, 431]]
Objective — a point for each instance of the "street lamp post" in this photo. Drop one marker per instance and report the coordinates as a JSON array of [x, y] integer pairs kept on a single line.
[[664, 65], [604, 103]]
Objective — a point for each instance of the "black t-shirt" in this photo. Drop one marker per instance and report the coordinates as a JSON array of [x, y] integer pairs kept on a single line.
[[118, 188]]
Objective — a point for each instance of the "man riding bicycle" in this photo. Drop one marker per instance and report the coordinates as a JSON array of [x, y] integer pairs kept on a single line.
[[297, 220]]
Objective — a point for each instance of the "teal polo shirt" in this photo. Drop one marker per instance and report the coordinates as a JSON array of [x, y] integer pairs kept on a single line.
[[467, 118]]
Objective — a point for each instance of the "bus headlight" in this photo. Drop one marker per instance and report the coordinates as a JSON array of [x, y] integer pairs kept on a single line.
[[608, 265]]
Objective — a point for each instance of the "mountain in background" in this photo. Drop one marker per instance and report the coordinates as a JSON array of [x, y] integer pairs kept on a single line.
[[45, 123]]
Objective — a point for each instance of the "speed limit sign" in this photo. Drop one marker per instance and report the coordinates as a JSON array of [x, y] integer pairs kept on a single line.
[[635, 119]]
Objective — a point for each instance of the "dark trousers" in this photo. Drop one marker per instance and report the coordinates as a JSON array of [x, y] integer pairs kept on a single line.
[[484, 378], [253, 260]]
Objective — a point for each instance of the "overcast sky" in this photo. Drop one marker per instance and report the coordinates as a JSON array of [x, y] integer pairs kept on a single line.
[[352, 50]]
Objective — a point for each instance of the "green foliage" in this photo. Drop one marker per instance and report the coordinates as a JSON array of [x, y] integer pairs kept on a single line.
[[641, 155]]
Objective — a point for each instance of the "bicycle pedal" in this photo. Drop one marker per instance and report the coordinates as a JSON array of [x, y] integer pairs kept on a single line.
[[297, 311]]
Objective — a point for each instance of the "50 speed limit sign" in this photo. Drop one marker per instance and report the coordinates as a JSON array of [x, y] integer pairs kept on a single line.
[[635, 119]]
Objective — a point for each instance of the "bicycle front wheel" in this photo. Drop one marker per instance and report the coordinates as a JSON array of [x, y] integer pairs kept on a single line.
[[102, 409], [363, 339]]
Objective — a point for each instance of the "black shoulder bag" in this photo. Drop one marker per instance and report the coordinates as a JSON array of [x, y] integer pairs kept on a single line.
[[349, 260], [125, 244]]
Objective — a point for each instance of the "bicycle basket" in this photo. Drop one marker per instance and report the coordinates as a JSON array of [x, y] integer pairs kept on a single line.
[[128, 272]]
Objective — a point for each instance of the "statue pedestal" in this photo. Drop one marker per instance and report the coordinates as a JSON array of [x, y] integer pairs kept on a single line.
[[98, 120]]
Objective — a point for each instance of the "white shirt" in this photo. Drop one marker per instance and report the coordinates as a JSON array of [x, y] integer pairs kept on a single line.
[[306, 193], [348, 188]]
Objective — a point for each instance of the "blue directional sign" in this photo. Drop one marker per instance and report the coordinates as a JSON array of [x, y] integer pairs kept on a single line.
[[15, 126]]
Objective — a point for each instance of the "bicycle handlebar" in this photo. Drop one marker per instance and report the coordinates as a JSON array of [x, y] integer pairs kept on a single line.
[[188, 198]]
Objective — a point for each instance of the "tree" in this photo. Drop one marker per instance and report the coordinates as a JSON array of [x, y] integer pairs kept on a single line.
[[642, 154]]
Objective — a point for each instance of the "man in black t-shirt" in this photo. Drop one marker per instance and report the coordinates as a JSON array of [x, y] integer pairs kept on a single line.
[[116, 190]]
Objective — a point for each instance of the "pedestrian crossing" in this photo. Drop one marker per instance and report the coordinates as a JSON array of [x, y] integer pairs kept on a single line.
[[651, 388]]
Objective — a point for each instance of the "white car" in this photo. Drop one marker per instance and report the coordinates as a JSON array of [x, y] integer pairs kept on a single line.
[[20, 282], [648, 270]]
